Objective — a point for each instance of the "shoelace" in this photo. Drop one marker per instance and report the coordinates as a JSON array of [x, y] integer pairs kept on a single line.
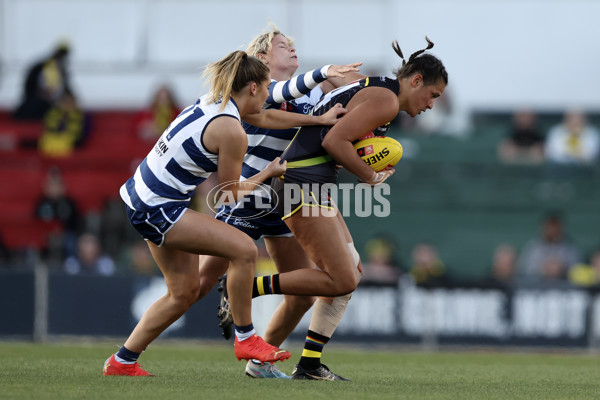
[[271, 368], [224, 307]]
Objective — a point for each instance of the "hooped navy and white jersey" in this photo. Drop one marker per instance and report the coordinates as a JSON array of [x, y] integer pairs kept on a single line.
[[179, 161], [298, 95]]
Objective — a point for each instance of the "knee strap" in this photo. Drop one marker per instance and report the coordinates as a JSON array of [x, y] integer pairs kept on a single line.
[[326, 317]]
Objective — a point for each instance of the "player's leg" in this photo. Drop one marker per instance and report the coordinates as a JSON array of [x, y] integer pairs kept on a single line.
[[194, 234], [180, 275], [180, 272], [288, 255], [205, 235], [323, 239], [212, 271], [326, 316], [200, 234], [310, 215]]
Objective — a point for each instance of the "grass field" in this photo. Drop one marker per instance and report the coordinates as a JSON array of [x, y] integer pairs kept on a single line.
[[210, 371]]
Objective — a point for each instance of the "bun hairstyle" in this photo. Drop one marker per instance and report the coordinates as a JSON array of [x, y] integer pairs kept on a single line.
[[429, 66]]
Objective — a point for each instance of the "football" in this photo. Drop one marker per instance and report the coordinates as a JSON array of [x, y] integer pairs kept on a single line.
[[379, 152]]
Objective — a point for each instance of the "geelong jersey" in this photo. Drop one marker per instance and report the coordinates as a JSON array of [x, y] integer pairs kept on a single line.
[[179, 162], [306, 145], [264, 145]]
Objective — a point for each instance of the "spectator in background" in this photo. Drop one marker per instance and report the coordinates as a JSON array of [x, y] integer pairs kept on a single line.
[[524, 143], [152, 122], [65, 127], [380, 265], [90, 259], [586, 274], [573, 141], [549, 256], [45, 83], [140, 260], [504, 266], [427, 269], [116, 233], [55, 206]]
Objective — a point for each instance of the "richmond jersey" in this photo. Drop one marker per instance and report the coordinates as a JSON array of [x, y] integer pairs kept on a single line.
[[307, 142], [179, 162]]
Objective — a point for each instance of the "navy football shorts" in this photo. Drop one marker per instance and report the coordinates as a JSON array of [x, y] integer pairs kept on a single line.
[[253, 222], [155, 224]]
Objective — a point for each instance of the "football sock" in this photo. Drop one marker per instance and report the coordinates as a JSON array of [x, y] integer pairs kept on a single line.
[[126, 356], [244, 332], [268, 284], [313, 347]]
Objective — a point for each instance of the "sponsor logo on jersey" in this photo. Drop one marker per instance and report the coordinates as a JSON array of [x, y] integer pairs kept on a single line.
[[243, 223], [161, 147]]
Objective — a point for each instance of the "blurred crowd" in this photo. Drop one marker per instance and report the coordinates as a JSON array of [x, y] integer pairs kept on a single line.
[[572, 141], [552, 257]]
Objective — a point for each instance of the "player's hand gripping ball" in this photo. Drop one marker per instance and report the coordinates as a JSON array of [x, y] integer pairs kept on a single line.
[[379, 152]]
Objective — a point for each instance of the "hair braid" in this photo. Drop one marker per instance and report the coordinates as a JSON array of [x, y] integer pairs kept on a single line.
[[417, 53], [427, 65], [396, 48]]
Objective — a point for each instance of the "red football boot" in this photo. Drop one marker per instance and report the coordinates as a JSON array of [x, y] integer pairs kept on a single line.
[[113, 367], [256, 348]]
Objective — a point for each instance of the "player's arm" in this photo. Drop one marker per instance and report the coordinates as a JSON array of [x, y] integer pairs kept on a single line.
[[301, 84], [366, 111], [335, 82], [277, 119], [226, 137]]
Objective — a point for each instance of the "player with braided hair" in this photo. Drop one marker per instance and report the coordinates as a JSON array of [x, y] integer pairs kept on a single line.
[[311, 160]]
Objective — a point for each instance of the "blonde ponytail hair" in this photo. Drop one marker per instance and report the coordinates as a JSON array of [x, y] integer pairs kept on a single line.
[[232, 74]]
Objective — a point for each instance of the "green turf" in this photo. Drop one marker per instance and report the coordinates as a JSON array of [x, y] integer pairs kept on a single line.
[[210, 371]]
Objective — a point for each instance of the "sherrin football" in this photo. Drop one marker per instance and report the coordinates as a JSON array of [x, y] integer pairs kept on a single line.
[[379, 152]]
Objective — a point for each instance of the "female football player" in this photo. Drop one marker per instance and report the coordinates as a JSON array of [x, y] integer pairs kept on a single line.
[[206, 137], [311, 160]]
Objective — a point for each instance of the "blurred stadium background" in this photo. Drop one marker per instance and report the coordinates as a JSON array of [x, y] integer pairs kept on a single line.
[[450, 190]]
